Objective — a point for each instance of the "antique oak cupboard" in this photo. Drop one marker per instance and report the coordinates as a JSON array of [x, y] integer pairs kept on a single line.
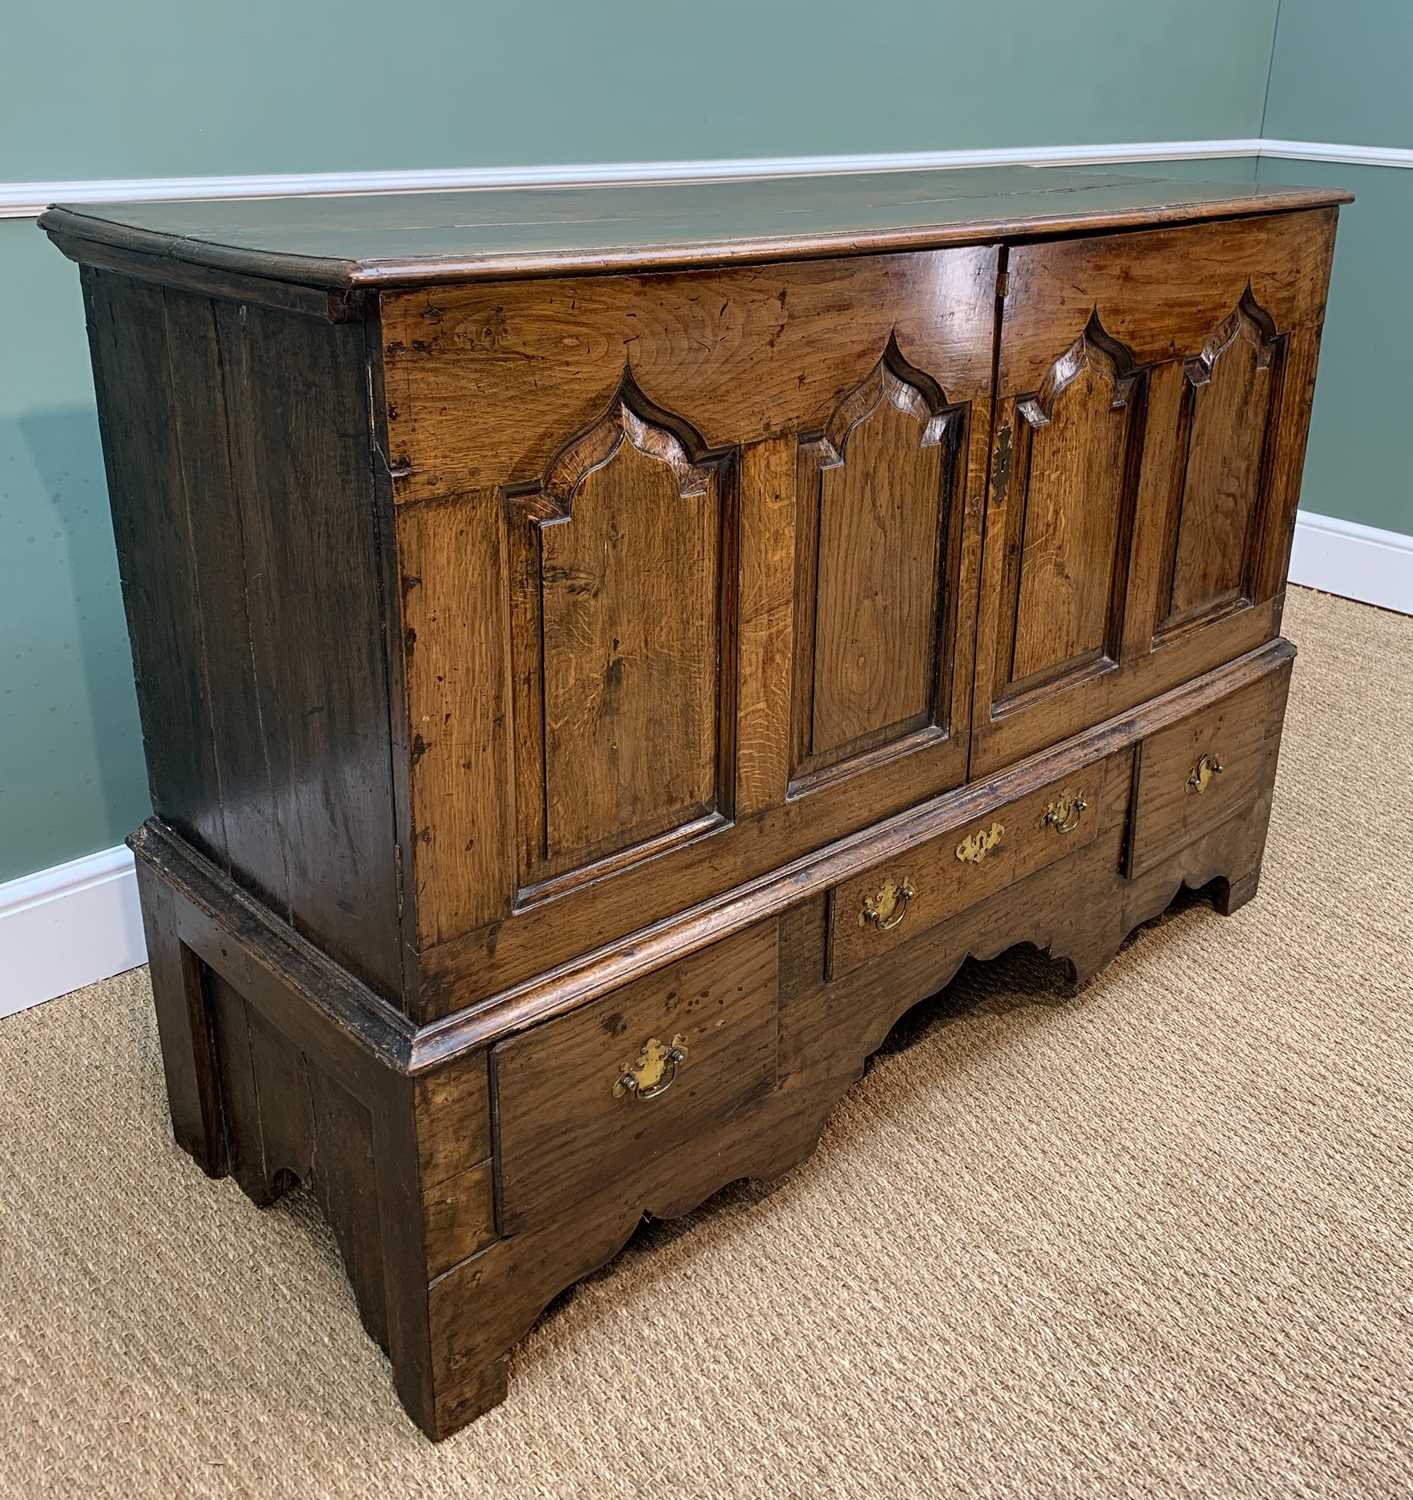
[[605, 654]]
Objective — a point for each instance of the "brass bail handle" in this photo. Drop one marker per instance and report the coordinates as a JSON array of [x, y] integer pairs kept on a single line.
[[1206, 768], [888, 906], [1064, 812], [654, 1072]]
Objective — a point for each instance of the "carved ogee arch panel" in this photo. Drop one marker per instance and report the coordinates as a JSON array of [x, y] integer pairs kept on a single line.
[[1070, 515], [621, 600], [876, 544], [1230, 395]]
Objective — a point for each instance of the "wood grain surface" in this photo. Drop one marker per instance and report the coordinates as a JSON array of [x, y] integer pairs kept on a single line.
[[391, 239], [1153, 394], [564, 1129], [486, 384], [1171, 806], [1006, 844], [236, 441]]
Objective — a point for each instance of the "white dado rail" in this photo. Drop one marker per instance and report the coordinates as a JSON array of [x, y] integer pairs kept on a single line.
[[21, 200]]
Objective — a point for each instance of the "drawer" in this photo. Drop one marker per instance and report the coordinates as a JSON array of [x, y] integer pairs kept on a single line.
[[594, 1096], [876, 911], [1204, 769]]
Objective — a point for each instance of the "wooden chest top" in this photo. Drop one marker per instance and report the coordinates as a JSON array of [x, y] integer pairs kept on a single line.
[[406, 239]]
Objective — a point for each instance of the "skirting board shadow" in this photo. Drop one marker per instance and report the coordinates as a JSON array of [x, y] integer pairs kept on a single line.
[[77, 923]]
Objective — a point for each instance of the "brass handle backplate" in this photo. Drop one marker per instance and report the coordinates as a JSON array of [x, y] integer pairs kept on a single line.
[[655, 1070], [887, 907], [1202, 773], [1063, 813], [976, 846]]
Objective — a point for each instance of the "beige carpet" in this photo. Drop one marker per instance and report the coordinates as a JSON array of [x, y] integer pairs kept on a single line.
[[1155, 1241]]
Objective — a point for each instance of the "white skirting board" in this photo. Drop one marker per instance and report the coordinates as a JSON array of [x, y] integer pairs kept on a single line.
[[79, 922], [1354, 561], [68, 926]]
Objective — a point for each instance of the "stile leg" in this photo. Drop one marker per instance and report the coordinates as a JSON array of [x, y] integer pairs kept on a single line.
[[184, 1026]]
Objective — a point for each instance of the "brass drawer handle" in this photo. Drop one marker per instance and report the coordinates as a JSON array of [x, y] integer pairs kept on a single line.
[[1063, 813], [654, 1072], [887, 907], [1202, 773]]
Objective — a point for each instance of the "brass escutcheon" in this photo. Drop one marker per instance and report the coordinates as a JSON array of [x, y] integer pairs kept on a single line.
[[888, 905], [654, 1071], [1202, 773], [975, 847], [1063, 813]]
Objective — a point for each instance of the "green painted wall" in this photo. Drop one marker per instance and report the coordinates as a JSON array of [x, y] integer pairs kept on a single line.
[[1339, 73], [71, 774], [1358, 466], [172, 88], [160, 88]]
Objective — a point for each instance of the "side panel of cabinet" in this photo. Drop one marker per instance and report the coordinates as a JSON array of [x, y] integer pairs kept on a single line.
[[689, 587], [236, 444], [1154, 397]]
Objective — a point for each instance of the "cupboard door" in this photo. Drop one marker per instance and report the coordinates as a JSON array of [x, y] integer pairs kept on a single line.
[[1154, 399], [689, 570]]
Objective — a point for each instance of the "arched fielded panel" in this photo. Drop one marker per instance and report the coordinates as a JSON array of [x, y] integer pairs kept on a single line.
[[1069, 516], [876, 548], [621, 604], [1231, 389]]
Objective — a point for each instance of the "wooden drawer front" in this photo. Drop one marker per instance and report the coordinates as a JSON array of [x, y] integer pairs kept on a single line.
[[1180, 793], [874, 912], [567, 1123]]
